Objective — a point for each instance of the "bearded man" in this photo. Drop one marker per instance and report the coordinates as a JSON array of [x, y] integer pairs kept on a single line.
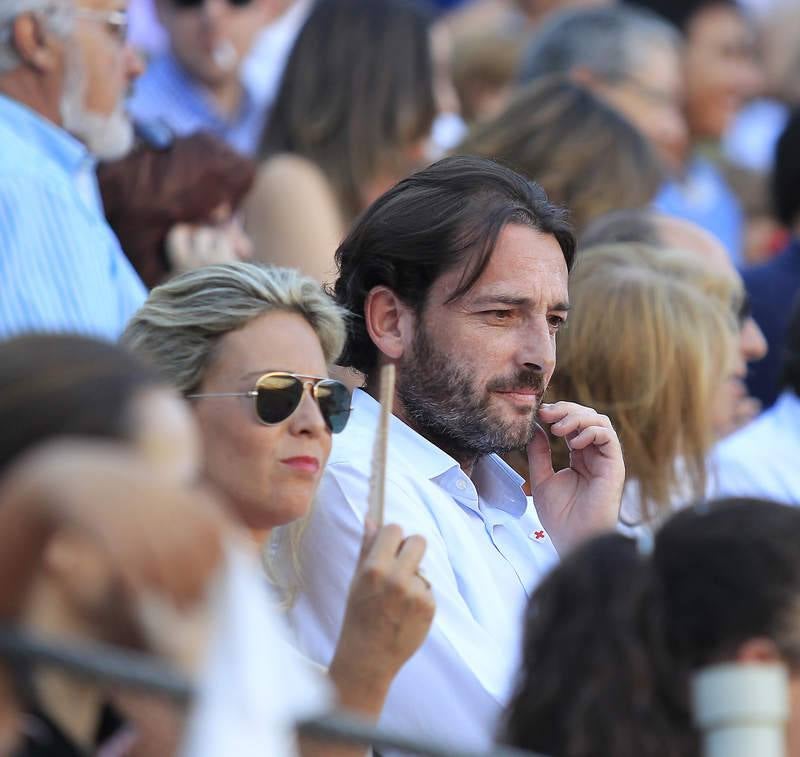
[[65, 68], [457, 276]]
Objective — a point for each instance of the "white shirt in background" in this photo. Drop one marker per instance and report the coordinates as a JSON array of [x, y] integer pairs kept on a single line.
[[486, 551], [763, 458]]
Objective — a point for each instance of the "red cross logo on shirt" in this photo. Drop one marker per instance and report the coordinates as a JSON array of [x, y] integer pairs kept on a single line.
[[538, 534]]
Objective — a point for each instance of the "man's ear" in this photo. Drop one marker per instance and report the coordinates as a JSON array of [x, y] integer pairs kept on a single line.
[[33, 44], [760, 650], [390, 322]]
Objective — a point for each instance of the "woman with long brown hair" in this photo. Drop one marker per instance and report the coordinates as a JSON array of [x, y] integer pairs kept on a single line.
[[352, 116], [587, 156]]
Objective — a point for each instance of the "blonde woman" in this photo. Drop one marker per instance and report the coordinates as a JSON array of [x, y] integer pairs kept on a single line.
[[651, 341], [249, 346]]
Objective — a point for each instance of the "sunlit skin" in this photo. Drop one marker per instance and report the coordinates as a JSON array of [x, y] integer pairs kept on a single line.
[[267, 473], [109, 64]]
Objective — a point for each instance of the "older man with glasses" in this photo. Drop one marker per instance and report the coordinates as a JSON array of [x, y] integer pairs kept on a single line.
[[64, 70], [200, 84]]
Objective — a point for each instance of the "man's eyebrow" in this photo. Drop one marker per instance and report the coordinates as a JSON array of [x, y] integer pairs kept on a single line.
[[514, 301]]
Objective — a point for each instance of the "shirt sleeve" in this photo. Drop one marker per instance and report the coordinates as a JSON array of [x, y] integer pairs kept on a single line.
[[453, 689], [56, 266]]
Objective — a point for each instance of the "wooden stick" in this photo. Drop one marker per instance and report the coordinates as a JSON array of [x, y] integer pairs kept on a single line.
[[377, 479]]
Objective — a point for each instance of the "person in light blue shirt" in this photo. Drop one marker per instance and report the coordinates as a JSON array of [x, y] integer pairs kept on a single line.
[[62, 69], [199, 83], [761, 460]]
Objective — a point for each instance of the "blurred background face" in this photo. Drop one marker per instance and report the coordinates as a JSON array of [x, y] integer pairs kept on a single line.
[[210, 38], [100, 68], [651, 97], [722, 71], [268, 473]]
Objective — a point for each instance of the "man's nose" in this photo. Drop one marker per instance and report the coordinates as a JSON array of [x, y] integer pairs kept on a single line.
[[537, 347]]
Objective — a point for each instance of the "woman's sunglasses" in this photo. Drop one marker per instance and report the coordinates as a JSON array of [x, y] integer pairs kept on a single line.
[[278, 395]]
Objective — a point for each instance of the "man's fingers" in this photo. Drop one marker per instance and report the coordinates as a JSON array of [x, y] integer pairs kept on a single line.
[[540, 459], [593, 436]]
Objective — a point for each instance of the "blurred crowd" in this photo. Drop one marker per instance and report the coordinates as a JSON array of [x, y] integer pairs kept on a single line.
[[571, 227]]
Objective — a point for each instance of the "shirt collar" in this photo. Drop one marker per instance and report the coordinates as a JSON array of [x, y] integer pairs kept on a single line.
[[183, 80], [55, 142], [497, 483]]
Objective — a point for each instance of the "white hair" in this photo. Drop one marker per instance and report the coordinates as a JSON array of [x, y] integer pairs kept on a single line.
[[54, 13]]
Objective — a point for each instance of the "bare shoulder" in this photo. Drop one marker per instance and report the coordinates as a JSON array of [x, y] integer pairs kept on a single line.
[[292, 174]]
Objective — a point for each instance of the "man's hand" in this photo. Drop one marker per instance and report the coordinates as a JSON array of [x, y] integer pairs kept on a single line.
[[583, 500]]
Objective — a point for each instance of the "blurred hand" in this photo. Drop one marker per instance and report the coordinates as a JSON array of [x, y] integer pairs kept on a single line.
[[389, 613], [137, 530], [584, 499]]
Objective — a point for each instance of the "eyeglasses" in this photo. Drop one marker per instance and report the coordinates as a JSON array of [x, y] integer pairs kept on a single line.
[[116, 21], [278, 395], [191, 4]]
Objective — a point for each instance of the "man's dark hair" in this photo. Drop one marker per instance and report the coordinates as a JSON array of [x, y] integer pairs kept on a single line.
[[429, 223], [790, 374], [786, 173]]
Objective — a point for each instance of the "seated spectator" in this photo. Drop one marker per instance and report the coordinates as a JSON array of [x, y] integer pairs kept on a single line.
[[662, 231], [650, 344], [628, 57], [585, 155], [721, 75], [176, 208], [760, 460], [774, 285], [353, 114], [628, 630], [457, 276], [63, 68], [249, 346], [197, 84]]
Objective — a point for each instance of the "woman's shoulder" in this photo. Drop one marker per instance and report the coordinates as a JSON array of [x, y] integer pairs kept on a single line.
[[287, 171]]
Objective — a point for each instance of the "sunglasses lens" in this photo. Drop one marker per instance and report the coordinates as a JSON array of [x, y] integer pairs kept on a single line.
[[278, 397], [334, 402]]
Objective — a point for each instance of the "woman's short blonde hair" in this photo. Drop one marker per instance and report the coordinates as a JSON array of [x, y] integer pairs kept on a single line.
[[178, 327], [650, 339]]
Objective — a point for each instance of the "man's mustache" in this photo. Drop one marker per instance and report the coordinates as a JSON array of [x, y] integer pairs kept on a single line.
[[526, 379]]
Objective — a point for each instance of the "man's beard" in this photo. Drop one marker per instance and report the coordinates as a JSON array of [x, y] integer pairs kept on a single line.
[[441, 401], [106, 137]]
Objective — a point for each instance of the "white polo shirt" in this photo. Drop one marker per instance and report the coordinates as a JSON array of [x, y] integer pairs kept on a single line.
[[486, 552]]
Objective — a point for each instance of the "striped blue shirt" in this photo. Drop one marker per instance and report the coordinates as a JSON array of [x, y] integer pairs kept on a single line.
[[61, 267], [167, 95]]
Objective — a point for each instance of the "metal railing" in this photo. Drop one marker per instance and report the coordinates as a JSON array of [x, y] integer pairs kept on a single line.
[[122, 667]]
